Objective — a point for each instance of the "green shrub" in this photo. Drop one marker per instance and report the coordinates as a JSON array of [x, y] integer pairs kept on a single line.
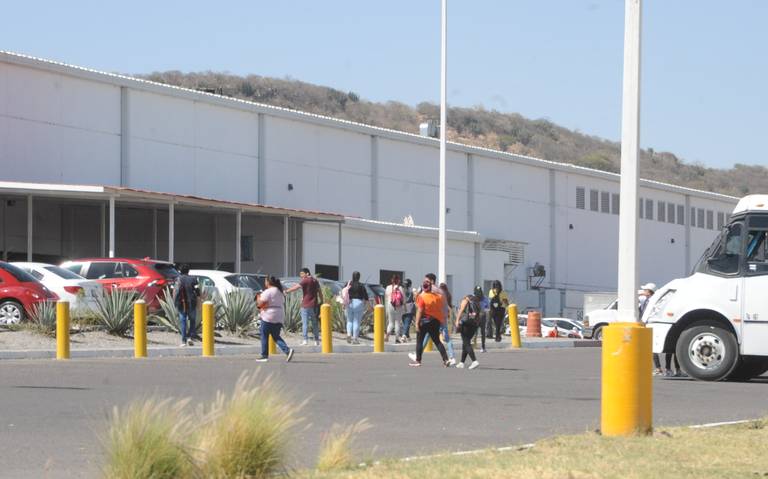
[[292, 321], [42, 318], [247, 435], [239, 312], [336, 447], [149, 439], [114, 310]]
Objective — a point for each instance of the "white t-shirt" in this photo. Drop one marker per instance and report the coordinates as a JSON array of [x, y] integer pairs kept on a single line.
[[273, 312]]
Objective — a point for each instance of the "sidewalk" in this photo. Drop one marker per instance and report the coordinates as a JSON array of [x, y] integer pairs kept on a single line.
[[230, 350]]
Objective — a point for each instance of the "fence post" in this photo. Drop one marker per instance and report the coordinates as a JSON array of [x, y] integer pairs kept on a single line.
[[208, 320], [62, 329], [378, 328], [514, 329], [140, 329], [326, 329]]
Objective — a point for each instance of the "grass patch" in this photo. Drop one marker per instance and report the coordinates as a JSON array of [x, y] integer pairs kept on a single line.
[[149, 439], [724, 452], [336, 448], [247, 434]]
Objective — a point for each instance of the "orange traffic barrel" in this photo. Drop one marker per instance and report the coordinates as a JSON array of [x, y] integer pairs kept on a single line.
[[534, 325]]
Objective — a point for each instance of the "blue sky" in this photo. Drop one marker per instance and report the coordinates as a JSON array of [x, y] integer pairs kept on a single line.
[[704, 67]]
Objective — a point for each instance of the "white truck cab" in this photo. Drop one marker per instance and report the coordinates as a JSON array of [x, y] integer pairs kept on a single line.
[[716, 320]]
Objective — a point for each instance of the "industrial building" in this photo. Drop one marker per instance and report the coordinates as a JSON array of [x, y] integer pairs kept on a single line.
[[93, 164]]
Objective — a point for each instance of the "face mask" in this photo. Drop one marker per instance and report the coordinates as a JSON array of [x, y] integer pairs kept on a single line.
[[641, 298], [426, 286]]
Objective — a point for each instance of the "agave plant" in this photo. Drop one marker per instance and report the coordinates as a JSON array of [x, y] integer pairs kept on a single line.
[[239, 310], [114, 310], [292, 321], [43, 318]]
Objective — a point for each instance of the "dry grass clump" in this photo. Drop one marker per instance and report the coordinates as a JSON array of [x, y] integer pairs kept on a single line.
[[336, 448], [149, 439]]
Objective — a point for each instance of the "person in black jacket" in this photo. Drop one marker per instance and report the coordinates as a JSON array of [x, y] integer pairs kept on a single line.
[[185, 294], [358, 297]]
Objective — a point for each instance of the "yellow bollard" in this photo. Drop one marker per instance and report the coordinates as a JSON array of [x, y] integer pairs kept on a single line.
[[378, 328], [627, 392], [140, 329], [272, 346], [514, 329], [326, 328], [62, 329], [429, 347], [208, 320]]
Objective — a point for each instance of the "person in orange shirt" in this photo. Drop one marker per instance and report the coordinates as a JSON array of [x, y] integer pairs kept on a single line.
[[430, 314]]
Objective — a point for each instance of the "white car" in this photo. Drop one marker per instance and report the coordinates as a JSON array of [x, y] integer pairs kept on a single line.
[[566, 328], [223, 282], [80, 292], [596, 320]]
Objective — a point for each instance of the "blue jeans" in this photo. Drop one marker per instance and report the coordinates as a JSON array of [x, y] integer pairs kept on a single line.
[[183, 317], [272, 329], [407, 320], [446, 340], [308, 314], [354, 316]]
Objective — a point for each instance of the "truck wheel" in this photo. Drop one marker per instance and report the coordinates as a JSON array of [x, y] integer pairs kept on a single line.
[[597, 334], [707, 352], [749, 367]]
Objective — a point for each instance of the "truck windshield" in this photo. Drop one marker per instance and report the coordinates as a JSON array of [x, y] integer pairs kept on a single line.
[[724, 255]]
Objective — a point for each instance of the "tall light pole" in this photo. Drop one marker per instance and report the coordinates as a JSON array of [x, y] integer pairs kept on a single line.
[[441, 275], [630, 149]]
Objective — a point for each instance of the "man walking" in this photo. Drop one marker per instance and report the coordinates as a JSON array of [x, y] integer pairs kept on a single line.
[[311, 299], [185, 294], [430, 314]]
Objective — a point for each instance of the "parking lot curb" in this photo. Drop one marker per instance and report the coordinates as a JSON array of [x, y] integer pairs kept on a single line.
[[221, 350]]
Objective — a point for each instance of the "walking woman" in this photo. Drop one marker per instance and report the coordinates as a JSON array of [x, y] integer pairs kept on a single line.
[[358, 296], [447, 311], [430, 313], [271, 304], [499, 302], [467, 322], [394, 301]]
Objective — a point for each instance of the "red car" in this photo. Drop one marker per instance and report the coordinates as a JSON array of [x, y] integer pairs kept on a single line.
[[146, 276], [19, 292]]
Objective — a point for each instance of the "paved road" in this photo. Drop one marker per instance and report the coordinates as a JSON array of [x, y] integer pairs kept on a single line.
[[51, 412]]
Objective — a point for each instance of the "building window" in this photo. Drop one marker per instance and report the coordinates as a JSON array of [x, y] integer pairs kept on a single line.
[[580, 198], [662, 211], [710, 220], [649, 209], [681, 215], [615, 201], [593, 197], [246, 248], [700, 218], [642, 203], [385, 276], [693, 216], [720, 220], [670, 213], [605, 202], [327, 271]]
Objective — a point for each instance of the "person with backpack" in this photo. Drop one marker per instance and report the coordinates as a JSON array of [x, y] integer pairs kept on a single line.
[[354, 296], [498, 306], [410, 309], [312, 298], [394, 301], [185, 293], [484, 306], [467, 322]]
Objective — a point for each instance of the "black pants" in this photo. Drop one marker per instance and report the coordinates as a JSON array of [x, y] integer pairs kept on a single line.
[[431, 328], [667, 361], [468, 331], [481, 329], [498, 319]]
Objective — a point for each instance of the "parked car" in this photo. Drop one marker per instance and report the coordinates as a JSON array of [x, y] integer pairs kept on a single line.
[[80, 292], [334, 286], [379, 292], [146, 276], [566, 328], [19, 293], [224, 282]]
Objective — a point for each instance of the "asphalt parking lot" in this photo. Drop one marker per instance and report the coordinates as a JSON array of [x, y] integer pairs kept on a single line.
[[51, 413]]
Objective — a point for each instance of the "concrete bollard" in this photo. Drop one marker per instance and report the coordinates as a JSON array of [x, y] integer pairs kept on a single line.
[[378, 328], [627, 386], [272, 346], [62, 329], [514, 330], [533, 329], [326, 329], [208, 321], [140, 329]]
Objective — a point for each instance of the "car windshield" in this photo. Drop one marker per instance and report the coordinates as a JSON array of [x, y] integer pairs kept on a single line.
[[167, 270], [245, 281], [62, 273], [18, 273]]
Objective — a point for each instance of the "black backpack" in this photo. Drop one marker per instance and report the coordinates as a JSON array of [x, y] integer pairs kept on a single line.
[[472, 314]]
